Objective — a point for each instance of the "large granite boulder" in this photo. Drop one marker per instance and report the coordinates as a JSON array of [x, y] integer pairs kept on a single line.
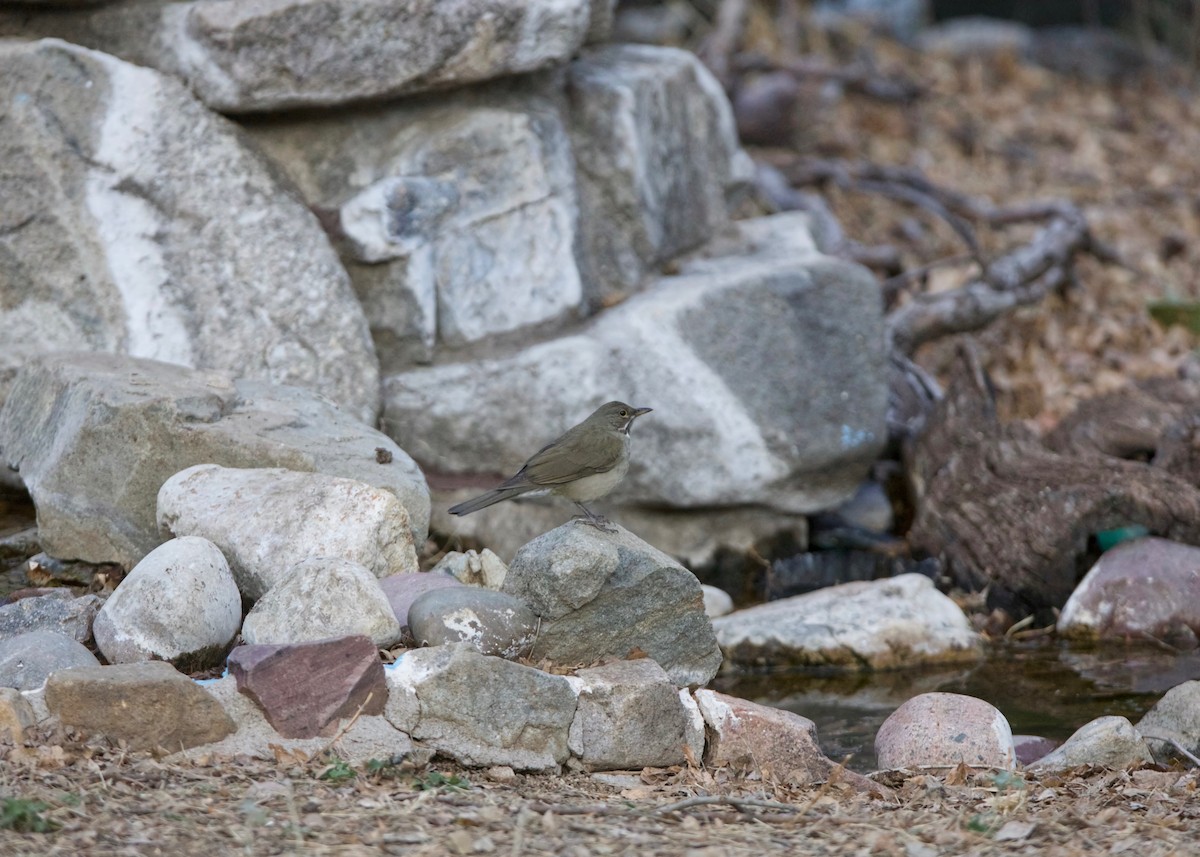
[[254, 55], [607, 595], [455, 217], [657, 155], [134, 220], [766, 372], [95, 436], [481, 710]]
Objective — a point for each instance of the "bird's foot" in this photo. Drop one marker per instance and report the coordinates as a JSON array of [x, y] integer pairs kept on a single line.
[[604, 525]]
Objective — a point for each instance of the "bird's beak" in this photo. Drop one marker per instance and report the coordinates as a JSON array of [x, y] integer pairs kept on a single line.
[[637, 412]]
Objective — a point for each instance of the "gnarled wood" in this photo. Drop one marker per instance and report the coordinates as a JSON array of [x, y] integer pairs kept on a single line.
[[1004, 512]]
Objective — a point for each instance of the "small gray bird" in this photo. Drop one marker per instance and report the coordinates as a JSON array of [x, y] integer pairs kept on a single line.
[[584, 464]]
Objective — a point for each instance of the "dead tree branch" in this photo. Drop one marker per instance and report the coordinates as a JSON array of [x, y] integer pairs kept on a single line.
[[720, 45]]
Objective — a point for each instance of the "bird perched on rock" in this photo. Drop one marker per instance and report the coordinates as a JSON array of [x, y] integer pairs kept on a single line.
[[584, 464]]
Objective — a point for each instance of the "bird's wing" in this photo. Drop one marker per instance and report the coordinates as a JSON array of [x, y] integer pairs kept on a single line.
[[563, 462]]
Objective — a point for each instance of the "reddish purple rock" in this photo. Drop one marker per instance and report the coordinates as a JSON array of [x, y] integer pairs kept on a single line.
[[304, 689], [404, 588], [1148, 589]]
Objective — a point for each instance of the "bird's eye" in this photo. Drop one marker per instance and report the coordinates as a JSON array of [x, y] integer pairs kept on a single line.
[[624, 412]]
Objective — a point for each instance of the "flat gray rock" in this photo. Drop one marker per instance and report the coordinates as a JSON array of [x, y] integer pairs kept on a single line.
[[27, 660], [147, 705], [136, 221], [68, 422], [61, 612], [179, 604], [880, 624], [631, 716], [1110, 741], [481, 710], [606, 595], [267, 520]]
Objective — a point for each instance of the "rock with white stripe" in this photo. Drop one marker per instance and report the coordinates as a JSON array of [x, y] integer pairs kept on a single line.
[[765, 369], [134, 220]]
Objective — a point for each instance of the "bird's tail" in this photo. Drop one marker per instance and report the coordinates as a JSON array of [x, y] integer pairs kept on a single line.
[[496, 495]]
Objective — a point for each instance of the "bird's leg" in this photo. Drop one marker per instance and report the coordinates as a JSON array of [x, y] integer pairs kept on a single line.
[[602, 524]]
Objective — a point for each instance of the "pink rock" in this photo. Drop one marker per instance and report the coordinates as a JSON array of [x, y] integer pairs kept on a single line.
[[304, 689], [750, 736], [1030, 748], [404, 588], [1144, 588], [944, 730]]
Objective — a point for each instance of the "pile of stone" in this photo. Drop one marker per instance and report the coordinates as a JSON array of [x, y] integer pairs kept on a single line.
[[463, 231]]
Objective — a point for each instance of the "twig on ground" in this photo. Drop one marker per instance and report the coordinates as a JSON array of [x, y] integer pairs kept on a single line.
[[1187, 754], [740, 804], [718, 48], [345, 727]]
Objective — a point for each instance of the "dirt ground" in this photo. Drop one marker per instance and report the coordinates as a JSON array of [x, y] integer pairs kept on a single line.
[[91, 801], [1013, 132]]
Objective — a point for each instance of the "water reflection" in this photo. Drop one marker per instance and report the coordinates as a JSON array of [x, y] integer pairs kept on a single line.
[[1043, 688]]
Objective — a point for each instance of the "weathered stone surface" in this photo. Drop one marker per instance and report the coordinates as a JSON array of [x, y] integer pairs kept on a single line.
[[179, 604], [716, 602], [319, 598], [1147, 588], [404, 588], [1006, 516], [60, 612], [147, 705], [630, 716], [881, 624], [26, 660], [1109, 741], [767, 367], [1175, 716], [268, 520], [16, 715], [477, 569], [369, 737], [69, 419], [455, 217], [657, 154], [304, 689], [754, 737], [603, 595], [698, 538], [134, 218], [252, 55], [492, 623], [481, 710], [945, 730]]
